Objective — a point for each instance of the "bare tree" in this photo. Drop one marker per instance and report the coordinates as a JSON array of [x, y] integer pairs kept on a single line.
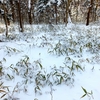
[[88, 14], [5, 18], [55, 4], [20, 16], [67, 9]]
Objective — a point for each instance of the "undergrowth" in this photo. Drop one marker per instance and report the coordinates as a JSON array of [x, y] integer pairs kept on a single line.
[[35, 73]]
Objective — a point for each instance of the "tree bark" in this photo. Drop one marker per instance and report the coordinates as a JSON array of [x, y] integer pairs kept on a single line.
[[30, 12], [56, 11], [12, 9], [5, 19], [88, 14], [20, 17], [67, 9]]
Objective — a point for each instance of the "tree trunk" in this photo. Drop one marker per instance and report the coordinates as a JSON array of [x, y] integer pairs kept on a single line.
[[88, 14], [20, 17], [12, 9], [5, 19], [96, 9], [67, 9], [30, 12], [56, 11]]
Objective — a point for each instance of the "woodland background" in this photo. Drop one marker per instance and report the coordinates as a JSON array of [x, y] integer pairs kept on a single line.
[[48, 12]]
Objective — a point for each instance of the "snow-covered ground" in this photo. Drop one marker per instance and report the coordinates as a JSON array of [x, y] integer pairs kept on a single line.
[[49, 62]]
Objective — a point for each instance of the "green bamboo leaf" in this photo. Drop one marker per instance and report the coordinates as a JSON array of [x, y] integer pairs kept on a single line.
[[72, 67], [8, 88], [90, 93], [1, 84], [26, 71], [26, 81], [81, 49], [83, 95], [40, 65], [1, 69], [11, 66], [84, 90], [9, 76], [61, 80], [16, 70], [3, 95], [54, 73], [43, 76], [58, 75], [38, 88], [4, 59], [77, 66]]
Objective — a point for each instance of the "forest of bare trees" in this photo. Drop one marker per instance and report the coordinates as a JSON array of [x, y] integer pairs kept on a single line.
[[48, 11]]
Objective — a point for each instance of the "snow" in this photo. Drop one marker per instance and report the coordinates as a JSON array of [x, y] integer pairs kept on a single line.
[[1, 1], [29, 6], [45, 63]]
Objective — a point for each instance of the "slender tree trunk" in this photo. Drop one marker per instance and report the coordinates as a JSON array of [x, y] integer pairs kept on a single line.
[[67, 9], [20, 17], [56, 11], [88, 14], [96, 9], [30, 12], [5, 19], [12, 9], [30, 17], [32, 9]]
